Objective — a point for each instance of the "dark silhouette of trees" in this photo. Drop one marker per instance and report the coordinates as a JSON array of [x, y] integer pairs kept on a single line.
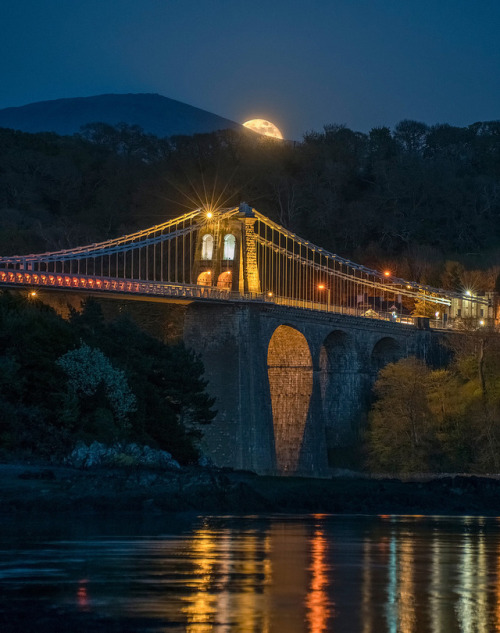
[[64, 381], [417, 189]]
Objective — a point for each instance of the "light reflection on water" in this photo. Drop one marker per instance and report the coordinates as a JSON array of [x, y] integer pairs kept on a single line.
[[264, 574]]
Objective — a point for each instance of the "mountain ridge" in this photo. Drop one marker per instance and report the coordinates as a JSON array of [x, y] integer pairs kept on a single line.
[[154, 113]]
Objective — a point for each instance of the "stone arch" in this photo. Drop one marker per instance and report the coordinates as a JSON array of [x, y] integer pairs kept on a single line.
[[207, 247], [225, 280], [386, 350], [333, 354], [204, 278], [290, 373], [340, 385]]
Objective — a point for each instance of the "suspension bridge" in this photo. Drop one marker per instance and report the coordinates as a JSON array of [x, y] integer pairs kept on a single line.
[[233, 255], [291, 335]]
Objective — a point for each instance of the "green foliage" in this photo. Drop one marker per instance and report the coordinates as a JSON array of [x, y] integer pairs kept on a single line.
[[167, 379], [445, 420], [88, 370], [401, 434], [63, 381]]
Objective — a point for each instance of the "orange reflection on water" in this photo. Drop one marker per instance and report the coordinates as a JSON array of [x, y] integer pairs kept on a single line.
[[200, 607], [317, 602], [231, 574], [406, 586]]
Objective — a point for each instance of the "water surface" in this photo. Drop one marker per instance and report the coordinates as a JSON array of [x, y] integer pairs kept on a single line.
[[262, 574]]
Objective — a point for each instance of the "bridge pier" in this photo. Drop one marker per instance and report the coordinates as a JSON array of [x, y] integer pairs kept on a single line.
[[227, 339], [292, 389], [269, 416]]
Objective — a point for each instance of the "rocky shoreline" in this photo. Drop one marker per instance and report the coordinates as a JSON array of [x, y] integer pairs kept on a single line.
[[28, 488]]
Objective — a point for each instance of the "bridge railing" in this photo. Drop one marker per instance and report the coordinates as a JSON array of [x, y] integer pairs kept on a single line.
[[128, 286], [33, 280], [359, 311]]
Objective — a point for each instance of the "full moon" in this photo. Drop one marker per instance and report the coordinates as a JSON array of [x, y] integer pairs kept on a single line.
[[266, 128]]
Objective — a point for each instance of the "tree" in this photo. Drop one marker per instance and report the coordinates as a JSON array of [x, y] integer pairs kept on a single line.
[[411, 135], [477, 362], [425, 306], [61, 381], [400, 435], [172, 404], [90, 372]]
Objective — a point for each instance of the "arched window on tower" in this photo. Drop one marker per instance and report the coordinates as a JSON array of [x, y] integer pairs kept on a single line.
[[229, 246], [207, 246]]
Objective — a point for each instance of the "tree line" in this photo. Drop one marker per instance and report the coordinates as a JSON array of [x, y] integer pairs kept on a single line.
[[421, 200]]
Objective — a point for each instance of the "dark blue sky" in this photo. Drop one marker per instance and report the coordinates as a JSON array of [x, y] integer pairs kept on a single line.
[[299, 63]]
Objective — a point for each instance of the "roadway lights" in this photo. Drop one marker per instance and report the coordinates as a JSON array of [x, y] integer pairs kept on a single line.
[[387, 273], [32, 294], [210, 215], [321, 286], [269, 294], [481, 322]]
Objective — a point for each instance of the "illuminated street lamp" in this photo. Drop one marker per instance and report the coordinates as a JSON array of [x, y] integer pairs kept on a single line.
[[322, 287]]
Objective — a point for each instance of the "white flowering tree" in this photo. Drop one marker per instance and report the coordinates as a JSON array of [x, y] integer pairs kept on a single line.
[[89, 370]]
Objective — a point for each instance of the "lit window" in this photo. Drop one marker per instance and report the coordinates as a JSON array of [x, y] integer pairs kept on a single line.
[[229, 246], [207, 246]]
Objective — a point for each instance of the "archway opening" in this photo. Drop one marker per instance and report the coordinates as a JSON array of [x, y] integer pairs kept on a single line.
[[333, 357], [290, 375], [205, 278], [387, 350], [225, 280], [340, 395]]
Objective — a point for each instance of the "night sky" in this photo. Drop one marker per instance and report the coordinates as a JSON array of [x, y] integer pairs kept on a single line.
[[300, 64]]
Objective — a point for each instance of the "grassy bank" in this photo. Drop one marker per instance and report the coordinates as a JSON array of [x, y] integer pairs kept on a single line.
[[39, 489]]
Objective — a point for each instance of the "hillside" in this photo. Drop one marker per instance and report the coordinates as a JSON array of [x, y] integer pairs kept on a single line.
[[405, 200], [153, 113]]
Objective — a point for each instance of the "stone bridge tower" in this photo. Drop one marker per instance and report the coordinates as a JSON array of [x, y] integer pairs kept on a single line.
[[226, 253]]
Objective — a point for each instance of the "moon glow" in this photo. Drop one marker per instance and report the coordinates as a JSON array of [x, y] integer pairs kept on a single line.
[[266, 128]]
